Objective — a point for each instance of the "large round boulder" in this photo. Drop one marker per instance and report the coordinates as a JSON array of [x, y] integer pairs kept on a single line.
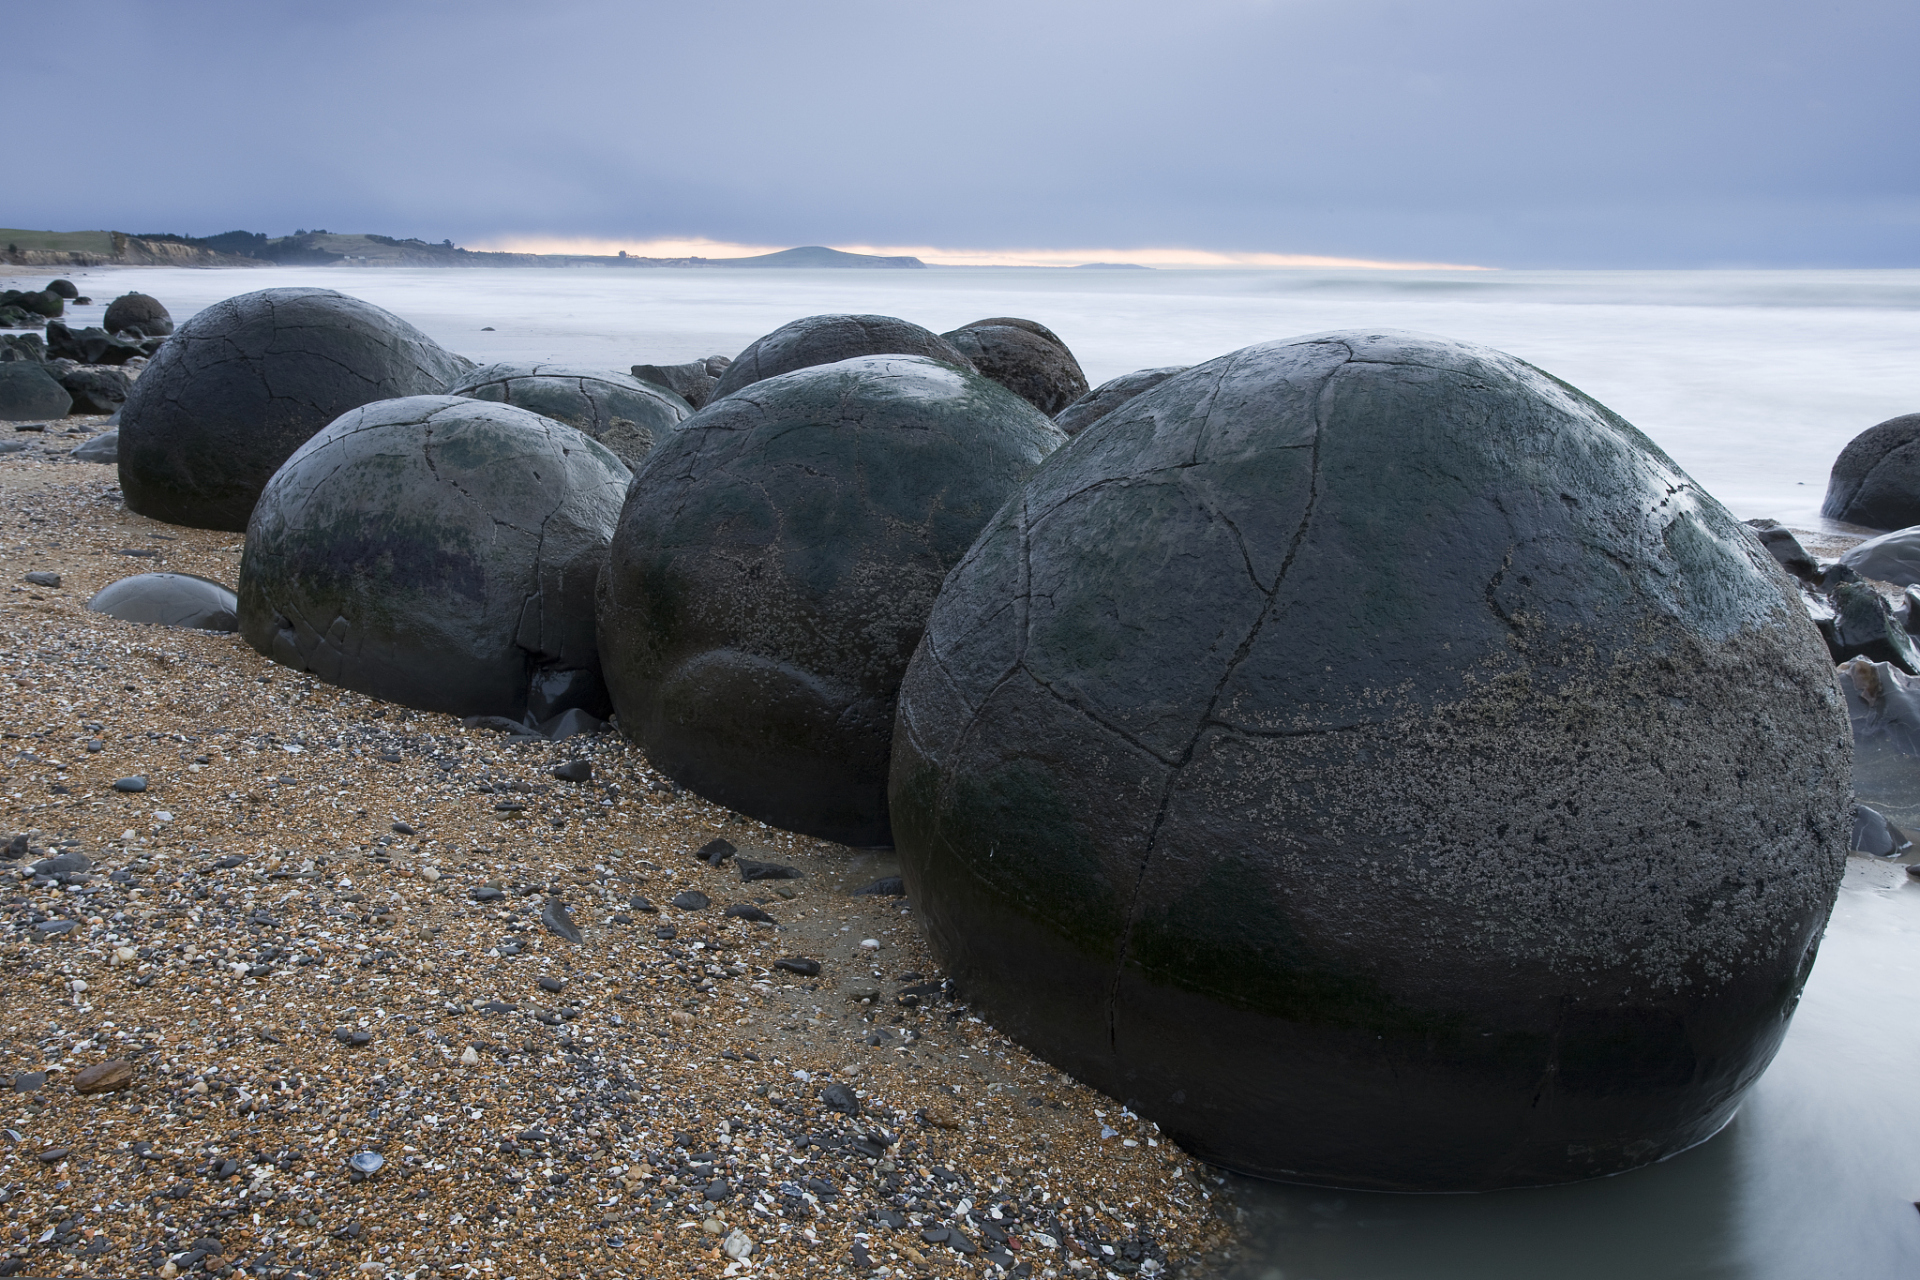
[[437, 552], [773, 569], [1876, 479], [1377, 763], [621, 412], [1025, 358], [246, 382], [816, 340], [1110, 395], [138, 313]]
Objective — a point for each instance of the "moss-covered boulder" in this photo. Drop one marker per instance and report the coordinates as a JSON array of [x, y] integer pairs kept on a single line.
[[437, 552], [817, 340], [774, 565], [621, 412], [244, 383], [1376, 762], [1025, 357]]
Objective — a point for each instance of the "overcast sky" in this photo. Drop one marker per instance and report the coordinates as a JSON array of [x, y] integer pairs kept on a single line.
[[1580, 133]]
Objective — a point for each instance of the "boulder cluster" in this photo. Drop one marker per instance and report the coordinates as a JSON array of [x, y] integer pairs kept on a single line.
[[1346, 752], [52, 370]]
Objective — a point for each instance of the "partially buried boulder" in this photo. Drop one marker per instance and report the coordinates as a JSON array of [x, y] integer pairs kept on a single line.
[[246, 382], [693, 381], [138, 313], [104, 447], [1110, 395], [1876, 478], [1891, 557], [94, 388], [1352, 755], [817, 340], [773, 569], [28, 392], [437, 552], [621, 412], [1025, 358], [169, 600]]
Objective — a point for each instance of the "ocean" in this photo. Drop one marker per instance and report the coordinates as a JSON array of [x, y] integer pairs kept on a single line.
[[1751, 380]]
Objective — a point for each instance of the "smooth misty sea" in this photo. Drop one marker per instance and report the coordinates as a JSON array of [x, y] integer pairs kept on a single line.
[[1751, 380]]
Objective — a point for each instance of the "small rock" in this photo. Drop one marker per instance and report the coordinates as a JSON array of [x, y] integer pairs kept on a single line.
[[751, 870], [52, 1155], [747, 911], [43, 578], [469, 1058], [352, 1035], [168, 600], [870, 944], [641, 904], [404, 829], [738, 1245], [367, 1163], [666, 933], [487, 893], [555, 985], [105, 1077], [29, 1081], [102, 448], [941, 1115], [800, 965], [884, 887], [574, 771], [715, 852], [692, 900], [135, 783], [718, 1191], [554, 916]]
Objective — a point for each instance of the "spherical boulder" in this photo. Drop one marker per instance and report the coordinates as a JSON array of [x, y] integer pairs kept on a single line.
[[1025, 358], [774, 565], [434, 551], [139, 313], [1876, 478], [1376, 762], [65, 288], [621, 412], [1110, 395], [816, 340], [244, 383]]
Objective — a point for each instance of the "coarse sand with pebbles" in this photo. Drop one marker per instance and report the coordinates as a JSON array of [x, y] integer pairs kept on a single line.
[[330, 931]]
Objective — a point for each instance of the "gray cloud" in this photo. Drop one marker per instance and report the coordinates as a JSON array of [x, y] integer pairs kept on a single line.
[[1511, 132]]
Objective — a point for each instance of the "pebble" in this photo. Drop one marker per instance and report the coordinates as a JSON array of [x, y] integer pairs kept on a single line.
[[738, 1245], [555, 985], [715, 852], [884, 887], [573, 771], [29, 1081], [751, 870], [554, 916], [132, 784], [747, 911], [43, 578], [105, 1077], [800, 965], [404, 829], [692, 900]]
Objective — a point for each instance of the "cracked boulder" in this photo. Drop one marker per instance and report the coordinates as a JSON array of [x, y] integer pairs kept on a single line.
[[1876, 479], [1024, 357], [244, 383], [773, 569], [818, 340], [1382, 766], [436, 552], [1110, 395], [621, 412]]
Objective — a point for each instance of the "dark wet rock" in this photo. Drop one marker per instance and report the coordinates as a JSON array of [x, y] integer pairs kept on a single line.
[[817, 340], [551, 984], [554, 916], [747, 911], [837, 1097], [1873, 834], [716, 851], [28, 392], [573, 771], [169, 600], [487, 893], [752, 870], [626, 415], [1035, 366], [1318, 829], [693, 381], [639, 903], [104, 447], [1882, 702], [249, 380], [773, 567], [352, 1036], [800, 965], [30, 347], [29, 1081], [93, 346], [691, 900], [435, 551], [94, 388], [1876, 478], [133, 783], [65, 288], [1891, 557], [139, 313], [1785, 548], [43, 578], [1863, 625], [884, 887], [42, 303], [665, 932]]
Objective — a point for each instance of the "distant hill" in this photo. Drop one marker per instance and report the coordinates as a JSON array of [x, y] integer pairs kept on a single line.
[[814, 255], [1111, 266]]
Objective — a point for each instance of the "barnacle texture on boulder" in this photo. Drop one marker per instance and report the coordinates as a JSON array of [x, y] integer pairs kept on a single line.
[[240, 386], [621, 412], [817, 340], [1376, 762], [1110, 395], [1876, 479], [1025, 357], [773, 569], [437, 552]]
